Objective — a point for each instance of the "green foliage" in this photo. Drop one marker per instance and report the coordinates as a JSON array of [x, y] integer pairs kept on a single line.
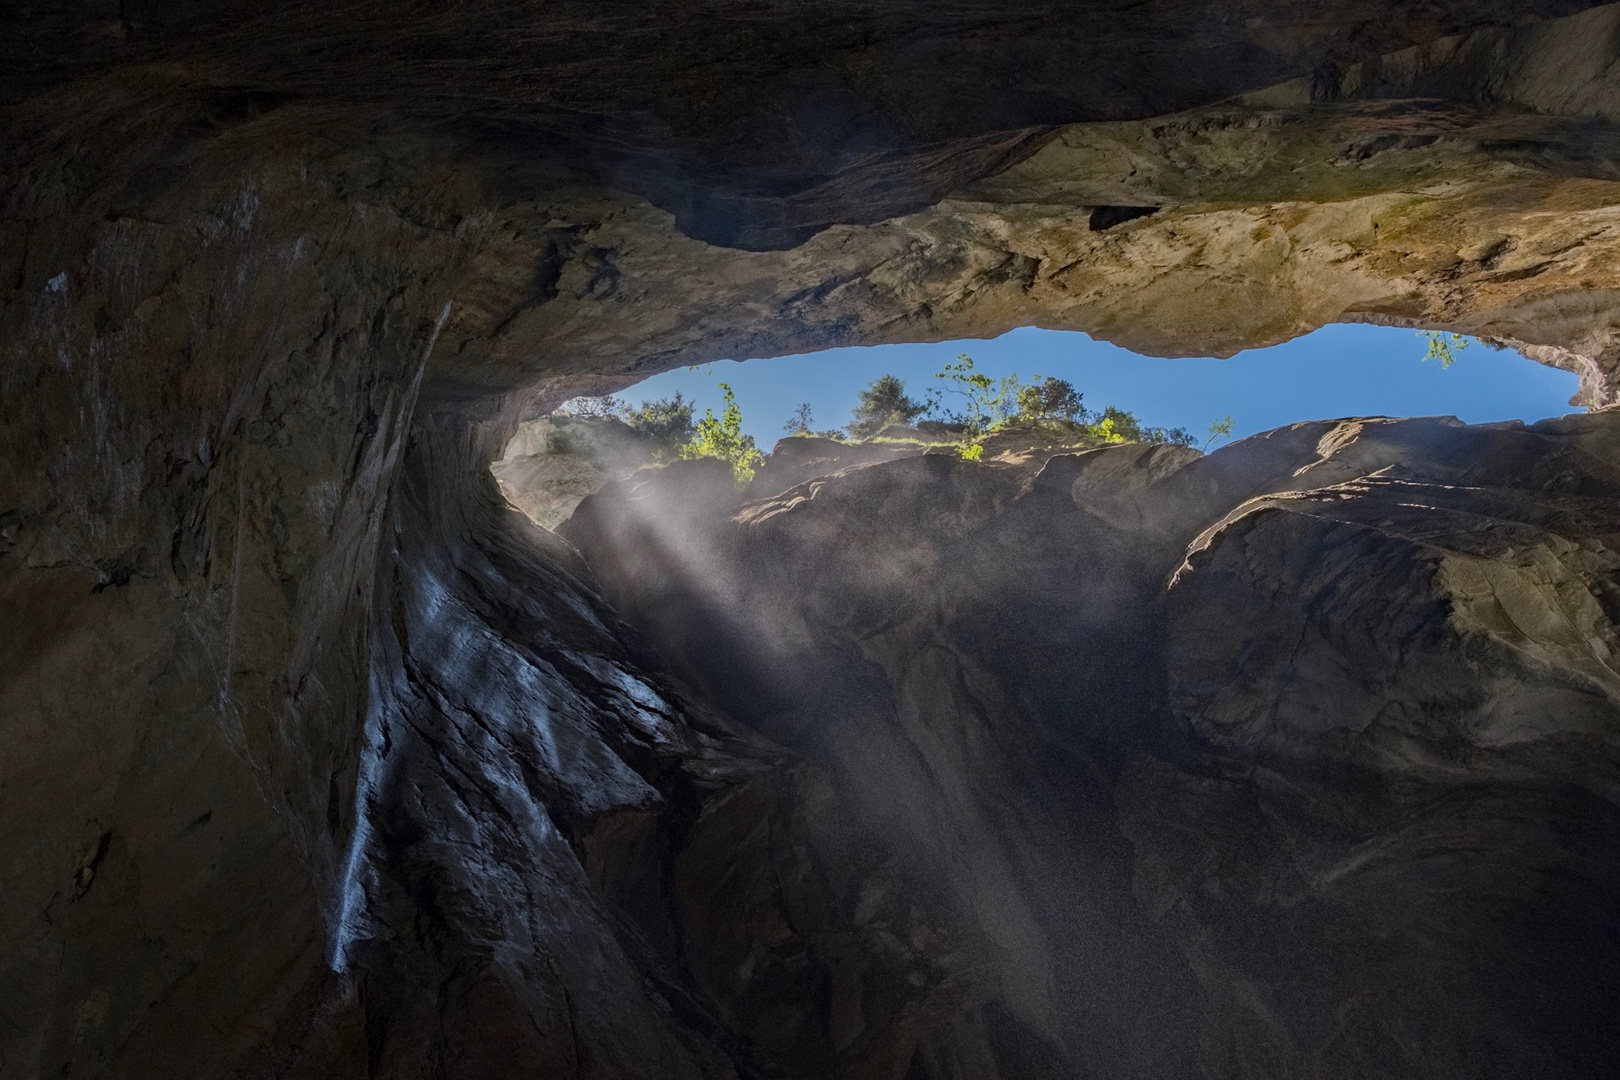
[[723, 439], [799, 425], [1174, 436], [983, 401], [1443, 347], [1046, 399], [980, 404], [668, 420], [882, 403], [1106, 430], [1119, 425], [988, 404], [1219, 429]]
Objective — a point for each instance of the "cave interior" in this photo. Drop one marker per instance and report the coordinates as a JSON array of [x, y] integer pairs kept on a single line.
[[1300, 758]]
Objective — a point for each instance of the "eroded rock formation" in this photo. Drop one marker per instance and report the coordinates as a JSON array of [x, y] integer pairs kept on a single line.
[[319, 762], [553, 462], [1294, 760]]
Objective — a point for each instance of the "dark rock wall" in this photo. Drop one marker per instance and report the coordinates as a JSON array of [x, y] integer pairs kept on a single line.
[[197, 471], [755, 124], [274, 284], [560, 868], [1331, 797]]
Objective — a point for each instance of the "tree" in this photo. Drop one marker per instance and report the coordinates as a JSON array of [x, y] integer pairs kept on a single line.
[[1443, 347], [668, 420], [799, 422], [1173, 436], [596, 408], [1219, 429], [1118, 425], [1048, 399], [982, 400], [882, 403], [724, 439]]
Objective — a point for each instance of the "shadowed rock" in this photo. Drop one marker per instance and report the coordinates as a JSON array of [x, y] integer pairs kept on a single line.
[[317, 762], [1238, 760]]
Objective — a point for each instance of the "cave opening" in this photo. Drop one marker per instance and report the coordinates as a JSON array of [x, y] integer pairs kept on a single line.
[[1021, 751], [1345, 370], [1032, 648], [1030, 672]]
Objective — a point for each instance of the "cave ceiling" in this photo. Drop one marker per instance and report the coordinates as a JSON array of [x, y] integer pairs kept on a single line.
[[764, 179]]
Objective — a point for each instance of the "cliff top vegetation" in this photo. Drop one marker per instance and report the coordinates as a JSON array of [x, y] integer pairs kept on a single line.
[[962, 408]]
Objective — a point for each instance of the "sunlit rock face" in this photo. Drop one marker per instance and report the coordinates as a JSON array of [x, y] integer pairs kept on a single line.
[[319, 762], [1293, 760], [553, 462]]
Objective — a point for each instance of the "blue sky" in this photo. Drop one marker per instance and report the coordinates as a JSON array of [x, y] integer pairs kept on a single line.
[[1347, 370]]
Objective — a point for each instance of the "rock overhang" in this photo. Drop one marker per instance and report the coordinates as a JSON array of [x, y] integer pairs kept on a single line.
[[280, 281]]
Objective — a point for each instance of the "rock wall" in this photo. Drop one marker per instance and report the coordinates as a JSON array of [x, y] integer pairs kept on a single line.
[[1294, 760], [276, 284], [553, 462]]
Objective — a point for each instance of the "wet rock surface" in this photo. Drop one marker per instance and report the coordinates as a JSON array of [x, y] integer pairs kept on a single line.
[[1239, 761], [318, 762]]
